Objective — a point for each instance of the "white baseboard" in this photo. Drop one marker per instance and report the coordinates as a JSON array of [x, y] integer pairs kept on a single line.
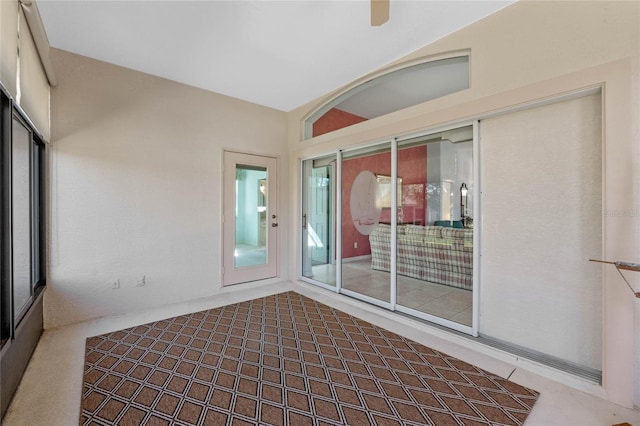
[[357, 258]]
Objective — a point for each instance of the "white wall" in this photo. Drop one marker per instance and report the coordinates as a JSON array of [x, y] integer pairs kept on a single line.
[[135, 173]]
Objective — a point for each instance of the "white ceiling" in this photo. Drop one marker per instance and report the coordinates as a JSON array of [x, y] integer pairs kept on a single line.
[[280, 54]]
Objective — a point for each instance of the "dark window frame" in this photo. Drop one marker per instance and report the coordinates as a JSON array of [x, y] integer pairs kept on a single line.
[[9, 111], [19, 314], [6, 298]]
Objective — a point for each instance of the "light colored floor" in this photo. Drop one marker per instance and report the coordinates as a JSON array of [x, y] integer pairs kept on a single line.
[[49, 394], [443, 301], [248, 255]]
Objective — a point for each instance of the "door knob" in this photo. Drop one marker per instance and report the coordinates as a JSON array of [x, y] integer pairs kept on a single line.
[[274, 225]]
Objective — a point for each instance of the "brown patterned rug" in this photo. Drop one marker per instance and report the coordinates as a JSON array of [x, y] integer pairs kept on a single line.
[[285, 360]]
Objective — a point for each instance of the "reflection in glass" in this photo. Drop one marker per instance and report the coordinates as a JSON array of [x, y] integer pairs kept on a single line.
[[318, 234], [435, 249], [21, 218], [251, 216]]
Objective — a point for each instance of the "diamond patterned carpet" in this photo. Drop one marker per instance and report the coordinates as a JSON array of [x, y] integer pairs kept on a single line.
[[285, 360]]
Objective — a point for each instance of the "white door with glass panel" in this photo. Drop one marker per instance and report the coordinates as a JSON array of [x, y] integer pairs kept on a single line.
[[250, 220]]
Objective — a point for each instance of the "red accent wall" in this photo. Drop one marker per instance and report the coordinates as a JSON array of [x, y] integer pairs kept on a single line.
[[412, 168], [335, 119]]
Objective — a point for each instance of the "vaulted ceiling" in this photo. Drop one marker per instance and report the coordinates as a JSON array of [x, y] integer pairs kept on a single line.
[[281, 54]]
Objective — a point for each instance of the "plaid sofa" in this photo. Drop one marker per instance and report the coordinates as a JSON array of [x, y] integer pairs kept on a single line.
[[430, 253]]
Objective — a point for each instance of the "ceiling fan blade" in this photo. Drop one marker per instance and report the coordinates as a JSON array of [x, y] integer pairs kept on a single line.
[[379, 12]]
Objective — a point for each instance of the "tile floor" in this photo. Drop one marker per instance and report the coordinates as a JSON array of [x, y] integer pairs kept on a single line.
[[436, 299], [248, 255], [49, 394]]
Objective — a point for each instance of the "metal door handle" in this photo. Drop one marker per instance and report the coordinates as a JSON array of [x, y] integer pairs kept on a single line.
[[274, 225]]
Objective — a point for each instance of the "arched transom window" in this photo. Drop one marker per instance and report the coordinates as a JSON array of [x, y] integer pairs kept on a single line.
[[390, 92]]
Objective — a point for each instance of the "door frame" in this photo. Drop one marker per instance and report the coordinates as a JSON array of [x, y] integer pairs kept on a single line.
[[392, 305], [303, 255], [231, 275]]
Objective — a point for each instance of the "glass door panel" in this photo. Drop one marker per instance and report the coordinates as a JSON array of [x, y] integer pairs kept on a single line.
[[21, 217], [366, 223], [434, 230], [251, 216], [318, 217]]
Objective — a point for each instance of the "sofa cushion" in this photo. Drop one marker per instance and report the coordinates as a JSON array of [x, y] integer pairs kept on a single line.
[[431, 253], [431, 232], [456, 234], [423, 232], [414, 230]]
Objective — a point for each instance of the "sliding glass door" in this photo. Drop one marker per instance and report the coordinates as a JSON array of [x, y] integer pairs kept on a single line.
[[318, 230], [27, 160], [365, 223], [403, 224], [22, 262], [21, 217], [407, 242], [435, 226]]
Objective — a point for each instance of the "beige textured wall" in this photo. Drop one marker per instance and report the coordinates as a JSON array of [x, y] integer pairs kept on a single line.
[[9, 44], [541, 222], [34, 86], [135, 177], [527, 52]]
